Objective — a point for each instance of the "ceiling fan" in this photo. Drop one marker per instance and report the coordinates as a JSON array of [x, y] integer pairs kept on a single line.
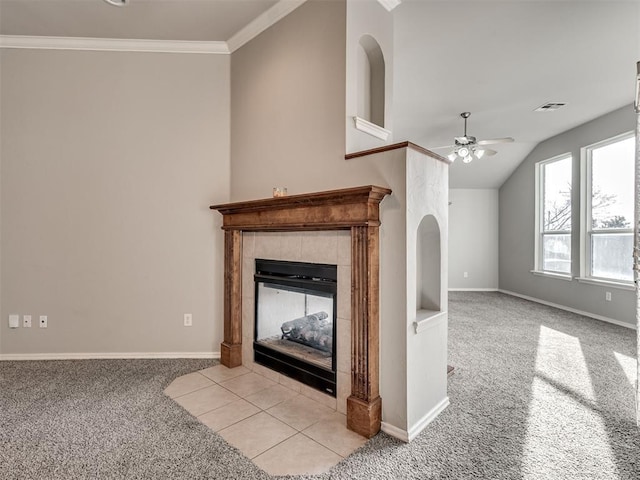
[[467, 148]]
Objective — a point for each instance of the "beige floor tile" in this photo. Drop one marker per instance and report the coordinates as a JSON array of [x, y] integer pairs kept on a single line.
[[187, 384], [220, 373], [229, 414], [248, 384], [271, 396], [257, 434], [206, 399], [300, 412], [332, 433], [298, 455]]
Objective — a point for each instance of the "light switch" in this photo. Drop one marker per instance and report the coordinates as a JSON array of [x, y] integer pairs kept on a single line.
[[14, 321]]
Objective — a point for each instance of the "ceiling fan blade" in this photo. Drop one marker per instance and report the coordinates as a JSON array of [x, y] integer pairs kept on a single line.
[[441, 147], [487, 151], [495, 140]]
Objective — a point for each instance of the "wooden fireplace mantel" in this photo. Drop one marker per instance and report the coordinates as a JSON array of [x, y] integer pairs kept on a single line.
[[330, 210], [355, 209]]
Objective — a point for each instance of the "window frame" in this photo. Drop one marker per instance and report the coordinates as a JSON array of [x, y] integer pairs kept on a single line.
[[539, 219], [586, 228]]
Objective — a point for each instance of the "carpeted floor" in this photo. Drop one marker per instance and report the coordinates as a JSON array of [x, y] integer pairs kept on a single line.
[[537, 393]]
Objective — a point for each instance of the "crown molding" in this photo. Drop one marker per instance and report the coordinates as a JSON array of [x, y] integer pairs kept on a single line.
[[112, 44], [389, 4], [264, 21]]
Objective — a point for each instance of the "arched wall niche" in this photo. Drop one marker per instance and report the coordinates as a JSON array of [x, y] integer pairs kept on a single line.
[[428, 265], [371, 81]]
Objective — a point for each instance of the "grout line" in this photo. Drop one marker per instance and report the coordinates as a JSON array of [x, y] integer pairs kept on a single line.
[[192, 391], [274, 446], [325, 446]]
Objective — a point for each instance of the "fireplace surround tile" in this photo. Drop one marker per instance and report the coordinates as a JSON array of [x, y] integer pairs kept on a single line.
[[310, 457], [250, 424], [247, 384], [187, 384], [320, 247], [344, 390], [290, 383], [332, 433], [343, 345], [206, 399], [322, 398], [267, 245], [220, 373], [344, 292], [257, 434], [300, 412], [228, 414], [270, 397]]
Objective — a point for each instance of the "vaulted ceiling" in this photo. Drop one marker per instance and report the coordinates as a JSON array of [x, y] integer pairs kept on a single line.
[[497, 59]]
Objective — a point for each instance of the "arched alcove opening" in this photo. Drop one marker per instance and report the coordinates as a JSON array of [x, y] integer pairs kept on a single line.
[[371, 81], [428, 265]]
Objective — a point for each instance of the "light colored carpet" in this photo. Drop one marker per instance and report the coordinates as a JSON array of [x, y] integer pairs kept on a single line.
[[537, 393]]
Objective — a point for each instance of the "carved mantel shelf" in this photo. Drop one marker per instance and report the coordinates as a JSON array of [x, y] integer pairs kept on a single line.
[[356, 209], [330, 210]]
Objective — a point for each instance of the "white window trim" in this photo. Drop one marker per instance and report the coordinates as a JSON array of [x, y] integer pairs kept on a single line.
[[538, 230], [585, 217]]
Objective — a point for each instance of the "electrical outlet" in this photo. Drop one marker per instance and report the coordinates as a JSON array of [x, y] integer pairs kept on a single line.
[[14, 321], [26, 321], [188, 320], [607, 296], [43, 321], [465, 274]]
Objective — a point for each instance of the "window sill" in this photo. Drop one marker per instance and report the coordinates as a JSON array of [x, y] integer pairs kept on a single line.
[[607, 283], [559, 276]]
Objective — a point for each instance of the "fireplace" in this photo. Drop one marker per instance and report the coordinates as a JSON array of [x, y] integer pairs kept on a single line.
[[295, 321]]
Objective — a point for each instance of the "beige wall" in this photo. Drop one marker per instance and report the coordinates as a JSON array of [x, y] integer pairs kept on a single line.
[[288, 105], [109, 162], [473, 239]]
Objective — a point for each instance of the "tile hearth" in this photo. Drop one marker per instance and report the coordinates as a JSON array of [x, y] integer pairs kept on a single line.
[[266, 420]]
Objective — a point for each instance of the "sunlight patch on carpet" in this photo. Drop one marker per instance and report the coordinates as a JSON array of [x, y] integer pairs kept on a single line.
[[560, 431], [629, 367]]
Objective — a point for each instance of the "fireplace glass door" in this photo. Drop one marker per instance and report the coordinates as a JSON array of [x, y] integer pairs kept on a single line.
[[295, 320]]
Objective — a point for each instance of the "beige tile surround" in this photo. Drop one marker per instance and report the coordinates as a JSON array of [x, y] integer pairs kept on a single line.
[[266, 420], [332, 247], [267, 415]]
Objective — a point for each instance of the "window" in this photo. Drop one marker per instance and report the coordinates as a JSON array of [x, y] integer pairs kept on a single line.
[[607, 210], [553, 215]]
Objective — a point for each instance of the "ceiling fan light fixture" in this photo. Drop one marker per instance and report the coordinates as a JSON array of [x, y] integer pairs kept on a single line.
[[117, 3], [463, 152], [479, 154], [467, 159], [452, 156]]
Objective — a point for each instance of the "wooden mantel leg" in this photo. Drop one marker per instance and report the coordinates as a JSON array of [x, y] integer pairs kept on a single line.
[[231, 347], [364, 406]]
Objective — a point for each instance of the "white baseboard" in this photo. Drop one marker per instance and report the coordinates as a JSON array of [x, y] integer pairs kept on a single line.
[[569, 309], [428, 418], [473, 290], [104, 356], [407, 436], [394, 431]]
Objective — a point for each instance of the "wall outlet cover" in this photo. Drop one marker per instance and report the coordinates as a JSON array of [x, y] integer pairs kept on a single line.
[[43, 321], [26, 321]]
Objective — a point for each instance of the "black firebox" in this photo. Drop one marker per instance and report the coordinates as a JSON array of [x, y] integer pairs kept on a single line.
[[295, 321]]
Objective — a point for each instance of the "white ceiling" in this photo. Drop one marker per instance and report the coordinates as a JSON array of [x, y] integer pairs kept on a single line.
[[196, 20], [497, 59]]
